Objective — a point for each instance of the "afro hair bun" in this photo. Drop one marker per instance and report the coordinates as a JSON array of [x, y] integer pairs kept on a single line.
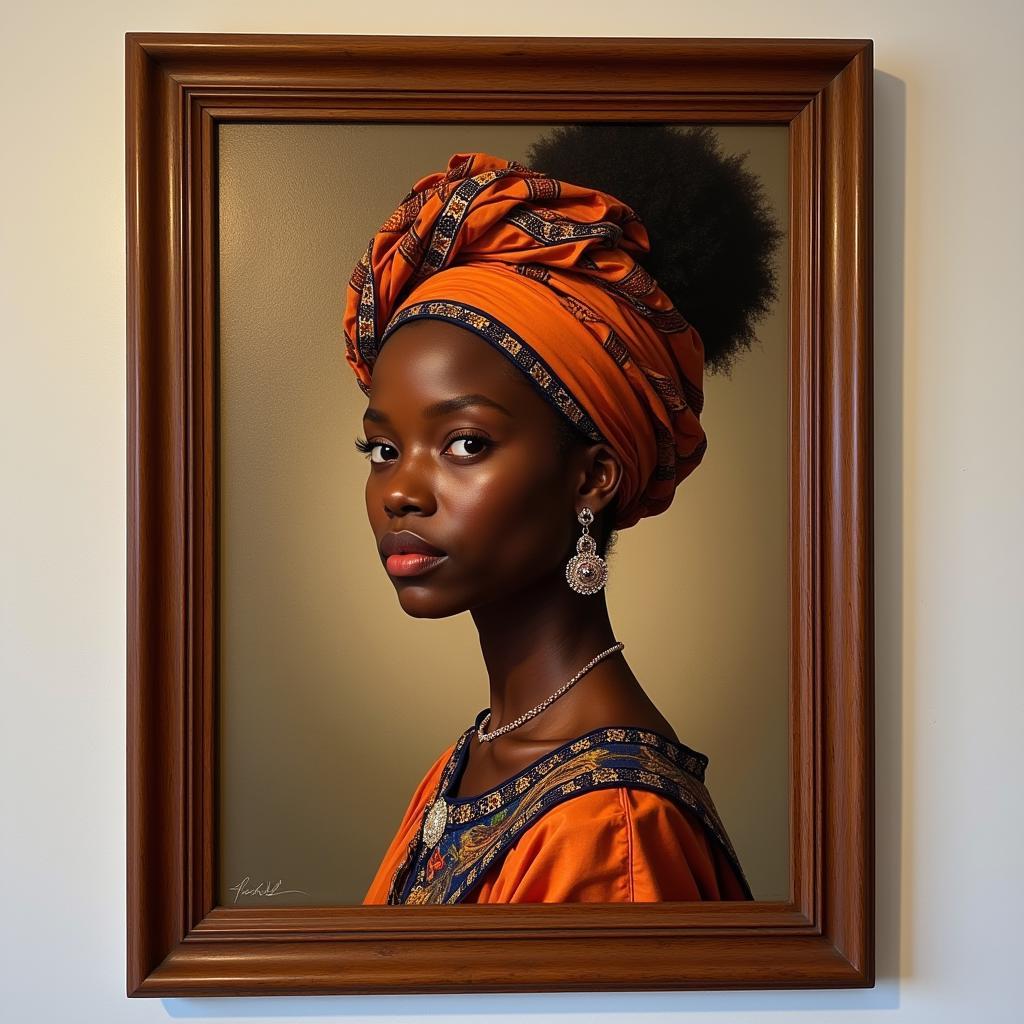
[[713, 236]]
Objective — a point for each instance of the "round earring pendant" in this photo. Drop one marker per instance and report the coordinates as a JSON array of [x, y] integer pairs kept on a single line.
[[586, 573]]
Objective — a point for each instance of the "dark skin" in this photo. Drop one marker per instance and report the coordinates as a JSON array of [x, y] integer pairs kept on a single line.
[[491, 489]]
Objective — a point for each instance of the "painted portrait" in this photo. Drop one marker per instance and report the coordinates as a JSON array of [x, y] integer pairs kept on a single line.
[[503, 490]]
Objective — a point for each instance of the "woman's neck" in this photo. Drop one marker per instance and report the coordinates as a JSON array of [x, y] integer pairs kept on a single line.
[[535, 642]]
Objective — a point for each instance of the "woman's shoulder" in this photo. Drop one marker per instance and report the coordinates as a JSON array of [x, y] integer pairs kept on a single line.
[[624, 808], [616, 844]]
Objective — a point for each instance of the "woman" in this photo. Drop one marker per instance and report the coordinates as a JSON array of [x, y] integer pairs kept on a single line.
[[531, 390]]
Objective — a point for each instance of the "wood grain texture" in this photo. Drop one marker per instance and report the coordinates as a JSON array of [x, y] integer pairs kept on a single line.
[[179, 87]]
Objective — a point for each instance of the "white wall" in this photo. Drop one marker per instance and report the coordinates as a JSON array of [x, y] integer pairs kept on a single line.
[[950, 499]]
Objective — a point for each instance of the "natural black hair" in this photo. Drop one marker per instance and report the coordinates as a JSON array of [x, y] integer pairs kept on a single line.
[[711, 228]]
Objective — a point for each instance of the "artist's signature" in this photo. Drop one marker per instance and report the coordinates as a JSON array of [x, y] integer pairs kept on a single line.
[[243, 888]]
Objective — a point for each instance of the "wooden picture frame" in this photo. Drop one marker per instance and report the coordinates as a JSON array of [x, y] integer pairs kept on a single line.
[[179, 87]]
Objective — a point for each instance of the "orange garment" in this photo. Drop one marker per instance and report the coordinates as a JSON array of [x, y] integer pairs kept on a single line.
[[612, 845]]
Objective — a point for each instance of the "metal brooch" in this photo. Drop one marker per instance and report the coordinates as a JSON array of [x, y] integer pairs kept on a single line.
[[437, 818]]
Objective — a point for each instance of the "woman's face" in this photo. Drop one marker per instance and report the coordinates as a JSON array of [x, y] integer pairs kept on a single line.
[[479, 477]]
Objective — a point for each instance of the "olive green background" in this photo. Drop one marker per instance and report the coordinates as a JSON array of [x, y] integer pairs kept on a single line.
[[332, 702]]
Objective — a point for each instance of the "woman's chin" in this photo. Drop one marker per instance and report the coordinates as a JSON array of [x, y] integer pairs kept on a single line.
[[421, 601]]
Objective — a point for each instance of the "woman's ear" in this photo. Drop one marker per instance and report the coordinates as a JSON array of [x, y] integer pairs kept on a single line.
[[602, 475]]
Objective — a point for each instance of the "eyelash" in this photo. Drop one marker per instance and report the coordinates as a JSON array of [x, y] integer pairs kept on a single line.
[[367, 446]]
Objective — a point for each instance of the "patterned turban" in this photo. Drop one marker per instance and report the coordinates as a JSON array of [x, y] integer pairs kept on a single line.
[[544, 271]]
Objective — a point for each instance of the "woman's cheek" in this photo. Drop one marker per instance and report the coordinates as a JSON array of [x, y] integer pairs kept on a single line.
[[478, 501], [514, 523]]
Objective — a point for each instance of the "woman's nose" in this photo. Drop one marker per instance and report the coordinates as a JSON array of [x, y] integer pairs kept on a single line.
[[409, 488]]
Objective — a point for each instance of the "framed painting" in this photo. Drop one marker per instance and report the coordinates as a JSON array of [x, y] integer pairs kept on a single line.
[[382, 733]]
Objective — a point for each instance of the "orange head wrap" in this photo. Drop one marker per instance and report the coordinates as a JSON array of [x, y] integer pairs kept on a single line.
[[544, 271]]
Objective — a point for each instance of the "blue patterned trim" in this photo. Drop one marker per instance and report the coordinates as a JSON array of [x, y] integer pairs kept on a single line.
[[560, 229], [451, 218], [366, 319]]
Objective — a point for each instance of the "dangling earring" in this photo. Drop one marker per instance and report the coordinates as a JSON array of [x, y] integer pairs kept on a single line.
[[586, 571]]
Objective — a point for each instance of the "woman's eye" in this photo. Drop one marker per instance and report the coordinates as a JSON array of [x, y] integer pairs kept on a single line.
[[376, 449], [369, 449], [472, 440]]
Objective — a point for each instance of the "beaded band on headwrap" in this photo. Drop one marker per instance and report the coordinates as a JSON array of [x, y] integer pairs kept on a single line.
[[544, 271]]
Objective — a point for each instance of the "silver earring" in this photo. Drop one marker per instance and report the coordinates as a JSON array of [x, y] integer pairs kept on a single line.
[[586, 571]]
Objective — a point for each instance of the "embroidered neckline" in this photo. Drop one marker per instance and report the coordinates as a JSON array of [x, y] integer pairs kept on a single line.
[[479, 829], [466, 808]]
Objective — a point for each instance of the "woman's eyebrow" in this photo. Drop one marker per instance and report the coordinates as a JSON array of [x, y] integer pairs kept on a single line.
[[442, 408]]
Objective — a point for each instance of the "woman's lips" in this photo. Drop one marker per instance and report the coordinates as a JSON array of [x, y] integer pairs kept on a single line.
[[412, 564]]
